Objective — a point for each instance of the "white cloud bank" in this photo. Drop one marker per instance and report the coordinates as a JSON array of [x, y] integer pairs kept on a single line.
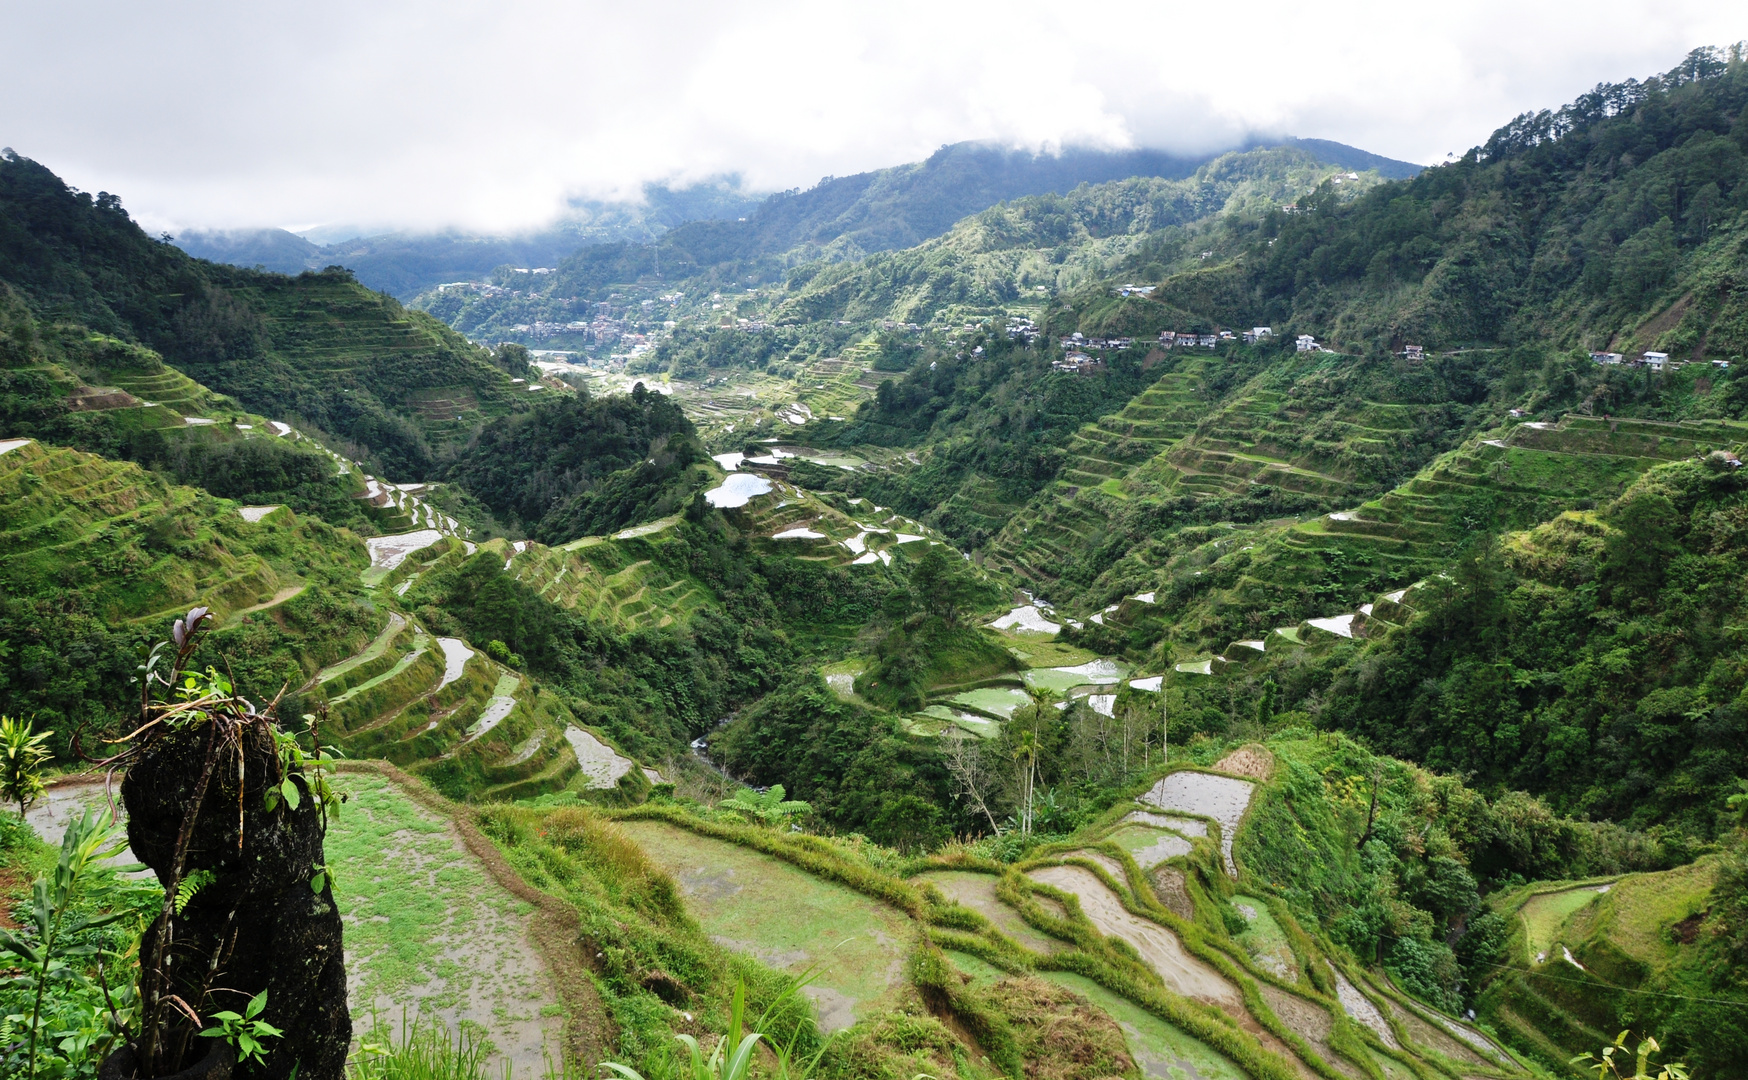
[[488, 115]]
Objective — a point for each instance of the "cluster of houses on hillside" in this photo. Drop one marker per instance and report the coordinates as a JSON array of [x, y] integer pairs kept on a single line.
[[1022, 327], [1078, 340], [1656, 361], [1079, 363]]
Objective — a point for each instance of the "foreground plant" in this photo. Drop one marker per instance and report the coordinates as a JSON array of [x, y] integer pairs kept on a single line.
[[1607, 1067], [55, 953], [725, 1064], [22, 754]]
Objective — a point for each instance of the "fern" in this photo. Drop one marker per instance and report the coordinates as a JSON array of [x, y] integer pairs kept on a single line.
[[190, 885]]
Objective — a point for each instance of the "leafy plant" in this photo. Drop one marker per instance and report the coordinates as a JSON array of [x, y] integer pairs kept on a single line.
[[1606, 1067], [52, 953], [243, 1031], [190, 885], [21, 756], [771, 808], [725, 1064]]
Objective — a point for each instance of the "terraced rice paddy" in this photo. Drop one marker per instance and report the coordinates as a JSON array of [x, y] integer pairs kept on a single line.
[[786, 918], [601, 767], [1183, 972], [738, 490], [1162, 1051], [1265, 941], [977, 892], [977, 725], [429, 933], [997, 701], [1060, 680], [1544, 914], [1149, 846], [1223, 798]]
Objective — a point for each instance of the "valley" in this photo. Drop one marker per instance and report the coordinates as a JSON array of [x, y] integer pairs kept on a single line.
[[918, 643]]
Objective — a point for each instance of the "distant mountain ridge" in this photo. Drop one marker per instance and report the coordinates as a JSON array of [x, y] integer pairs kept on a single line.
[[406, 264], [718, 223]]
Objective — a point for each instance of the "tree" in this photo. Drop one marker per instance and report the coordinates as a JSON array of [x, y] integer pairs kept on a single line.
[[770, 808], [21, 766], [973, 779], [941, 583]]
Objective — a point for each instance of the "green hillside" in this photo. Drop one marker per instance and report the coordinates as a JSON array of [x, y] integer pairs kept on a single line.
[[319, 350]]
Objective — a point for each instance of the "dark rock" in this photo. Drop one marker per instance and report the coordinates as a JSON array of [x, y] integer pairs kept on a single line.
[[258, 915], [216, 1065]]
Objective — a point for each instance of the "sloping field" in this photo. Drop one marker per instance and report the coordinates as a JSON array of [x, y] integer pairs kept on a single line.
[[786, 918]]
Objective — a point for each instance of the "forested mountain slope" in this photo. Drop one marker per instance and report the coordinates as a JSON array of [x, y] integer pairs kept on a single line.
[[1606, 225], [1052, 243], [398, 387], [846, 219]]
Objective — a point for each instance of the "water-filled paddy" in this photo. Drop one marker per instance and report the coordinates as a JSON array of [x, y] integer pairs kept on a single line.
[[738, 490], [997, 700], [786, 918]]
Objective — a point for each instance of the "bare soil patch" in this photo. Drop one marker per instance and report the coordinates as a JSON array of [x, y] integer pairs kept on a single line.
[[1253, 762]]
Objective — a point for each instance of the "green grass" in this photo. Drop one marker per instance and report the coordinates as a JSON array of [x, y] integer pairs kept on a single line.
[[427, 930]]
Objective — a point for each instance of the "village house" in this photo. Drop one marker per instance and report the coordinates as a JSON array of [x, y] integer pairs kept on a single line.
[[1606, 357], [1413, 352], [1079, 363], [1256, 334], [1307, 343], [1656, 361]]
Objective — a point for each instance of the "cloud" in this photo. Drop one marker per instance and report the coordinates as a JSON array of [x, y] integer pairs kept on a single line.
[[488, 116]]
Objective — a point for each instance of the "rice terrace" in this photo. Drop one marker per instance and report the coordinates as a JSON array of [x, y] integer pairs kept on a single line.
[[1264, 611]]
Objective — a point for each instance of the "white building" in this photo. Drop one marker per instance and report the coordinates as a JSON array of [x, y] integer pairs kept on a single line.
[[1307, 343], [1656, 361]]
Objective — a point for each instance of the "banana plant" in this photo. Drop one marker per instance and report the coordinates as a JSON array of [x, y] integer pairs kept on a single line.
[[44, 955]]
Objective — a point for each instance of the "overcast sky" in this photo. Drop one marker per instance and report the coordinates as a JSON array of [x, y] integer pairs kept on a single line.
[[487, 115]]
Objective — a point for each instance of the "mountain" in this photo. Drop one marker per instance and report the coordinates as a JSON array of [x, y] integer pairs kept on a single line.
[[407, 264], [801, 235], [905, 205], [391, 386], [264, 249]]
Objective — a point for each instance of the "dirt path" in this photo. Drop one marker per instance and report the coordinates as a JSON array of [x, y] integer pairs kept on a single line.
[[279, 597], [429, 932]]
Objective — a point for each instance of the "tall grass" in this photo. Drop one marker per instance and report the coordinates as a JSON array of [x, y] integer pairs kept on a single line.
[[422, 1050]]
